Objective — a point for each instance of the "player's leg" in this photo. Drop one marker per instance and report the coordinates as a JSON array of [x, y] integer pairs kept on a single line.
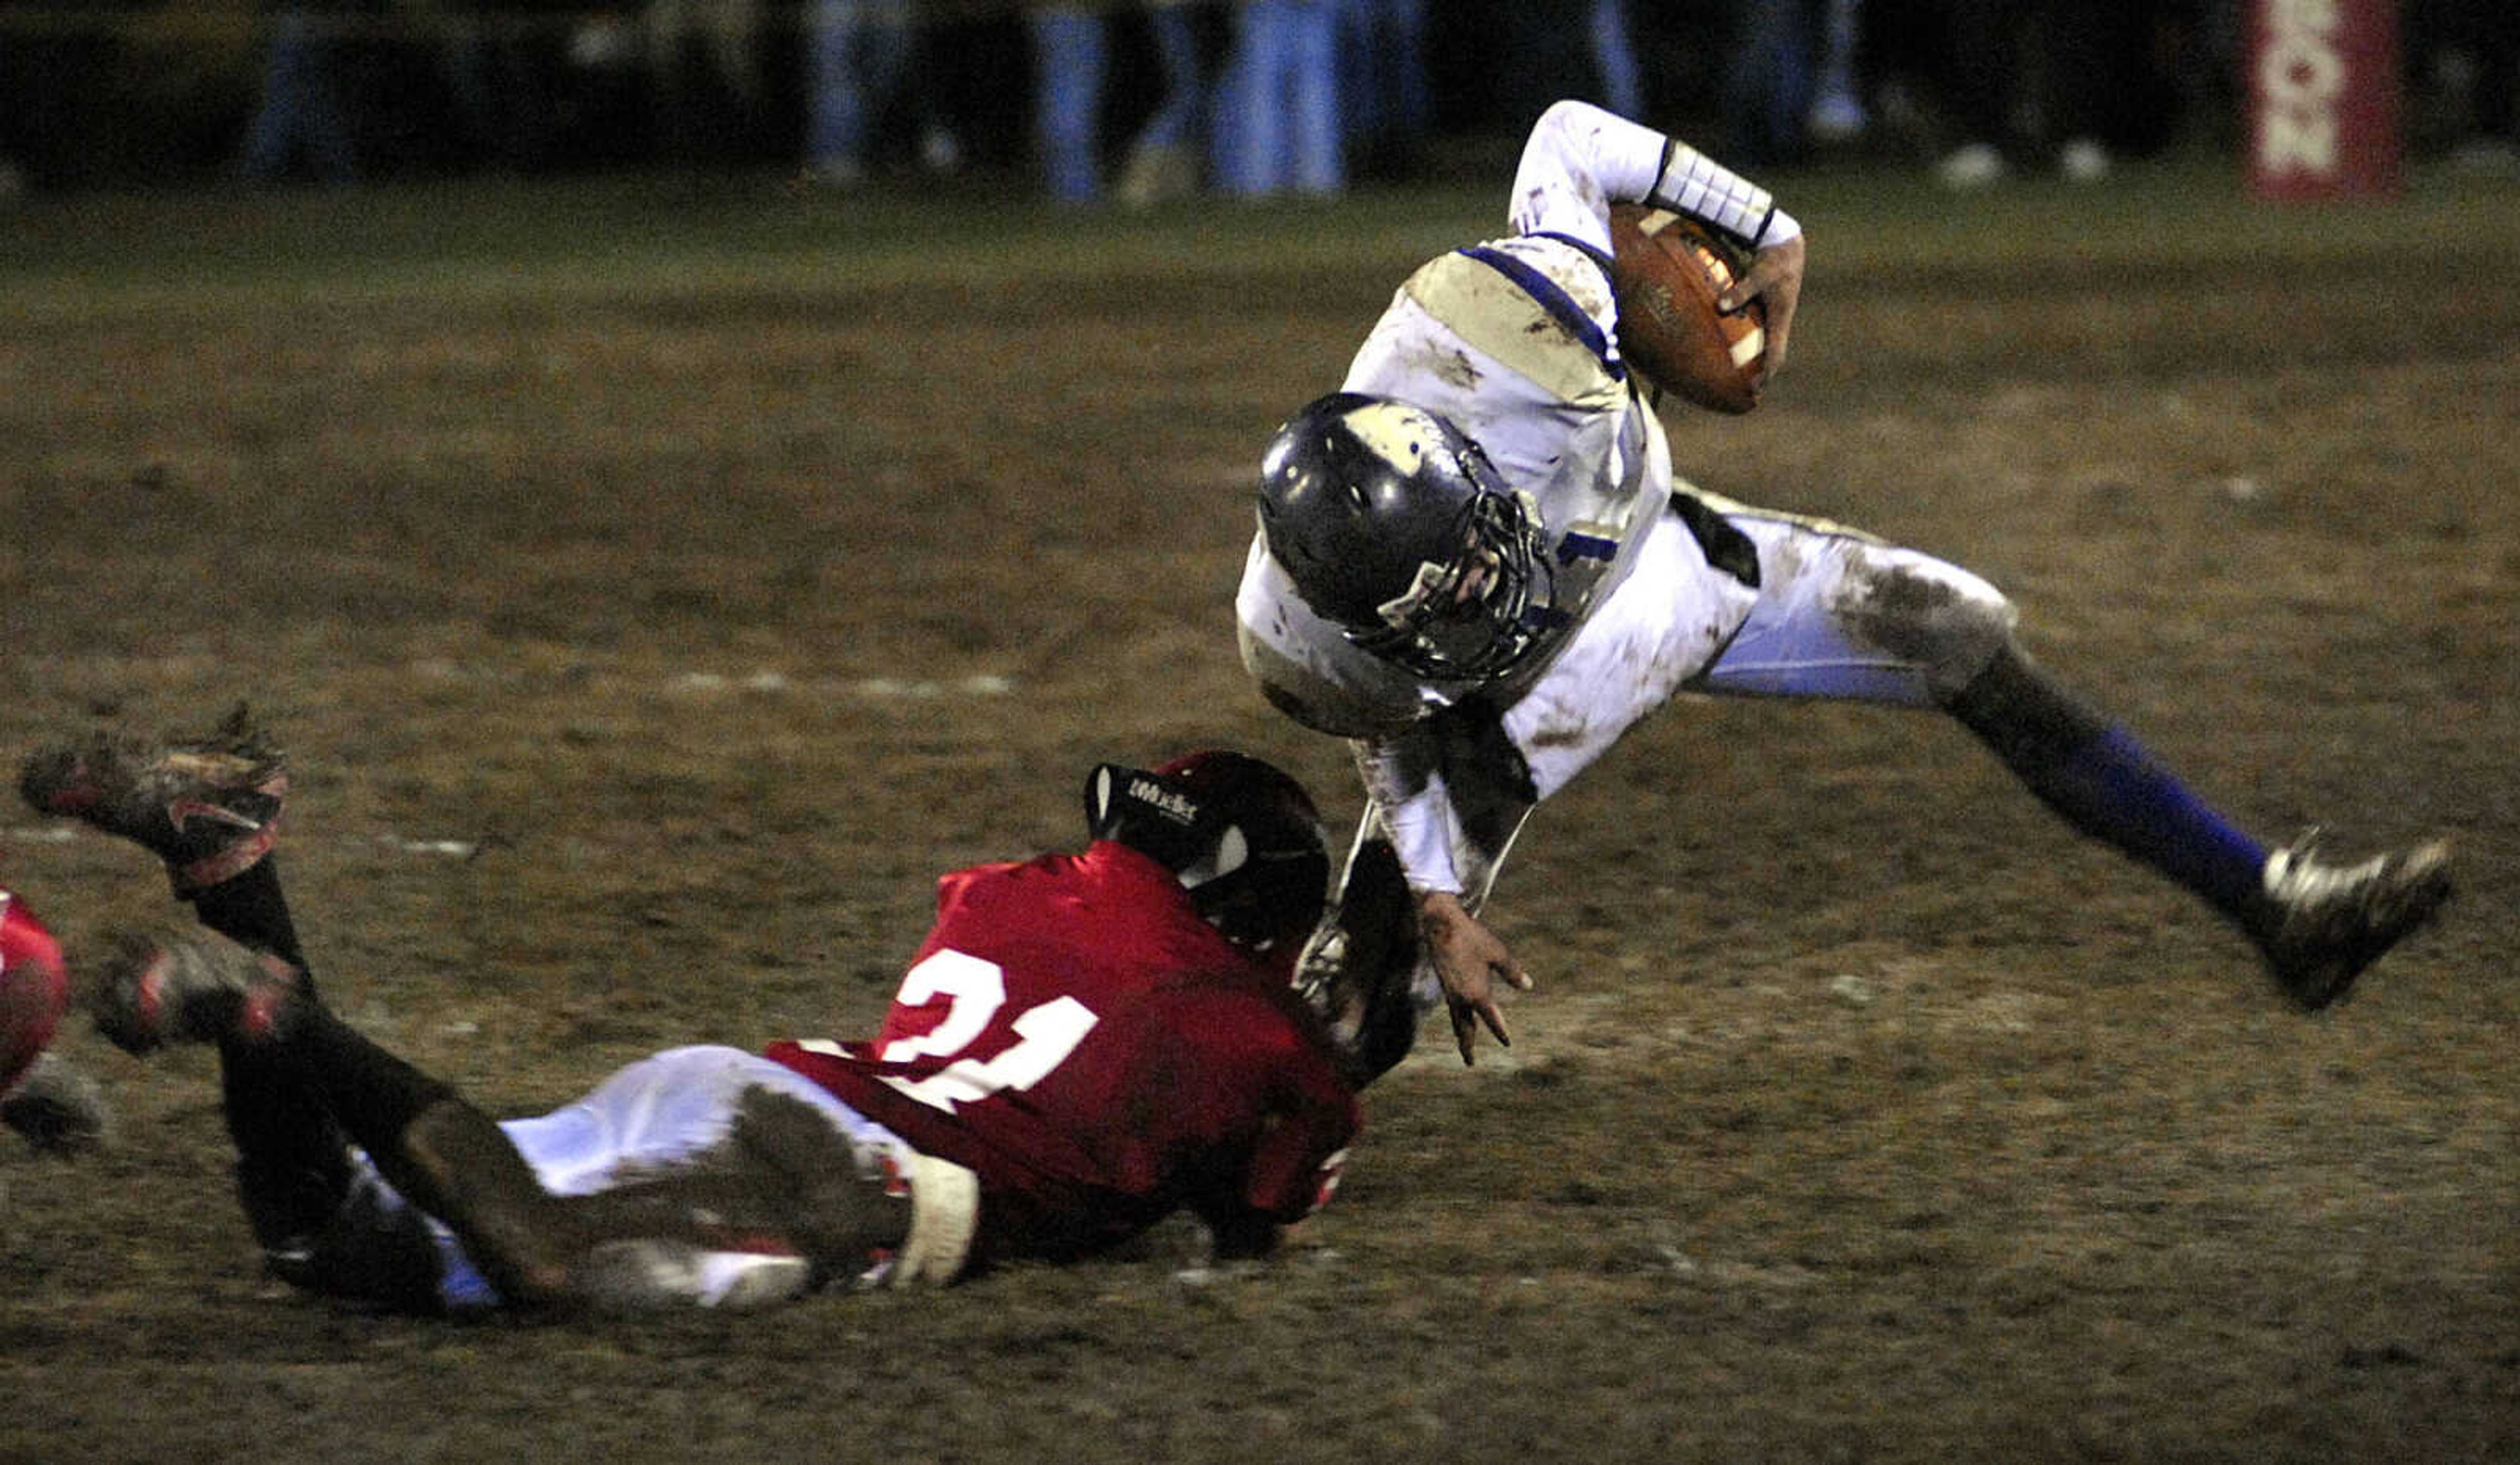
[[701, 1175], [1841, 614], [710, 1174], [299, 1085], [210, 809], [324, 1221]]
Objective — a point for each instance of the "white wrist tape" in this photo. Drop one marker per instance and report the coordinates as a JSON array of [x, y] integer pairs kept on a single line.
[[1422, 834], [1696, 185]]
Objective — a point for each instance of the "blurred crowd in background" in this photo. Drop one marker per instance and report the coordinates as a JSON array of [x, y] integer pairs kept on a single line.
[[1135, 102]]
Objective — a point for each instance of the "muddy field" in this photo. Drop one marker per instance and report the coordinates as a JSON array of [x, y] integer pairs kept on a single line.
[[658, 586]]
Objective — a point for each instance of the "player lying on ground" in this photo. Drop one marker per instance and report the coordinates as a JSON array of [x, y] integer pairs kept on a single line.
[[1084, 1044], [1475, 562]]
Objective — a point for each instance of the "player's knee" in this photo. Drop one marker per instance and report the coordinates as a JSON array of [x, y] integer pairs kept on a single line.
[[1946, 620], [1977, 628]]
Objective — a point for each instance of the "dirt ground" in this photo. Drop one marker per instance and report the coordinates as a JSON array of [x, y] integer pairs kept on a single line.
[[657, 589]]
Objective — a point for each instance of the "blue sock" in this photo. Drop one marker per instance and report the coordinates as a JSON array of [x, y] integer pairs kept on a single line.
[[2101, 781], [2111, 788]]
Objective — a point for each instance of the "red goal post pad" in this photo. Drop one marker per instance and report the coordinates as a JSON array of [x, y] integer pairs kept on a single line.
[[2324, 99]]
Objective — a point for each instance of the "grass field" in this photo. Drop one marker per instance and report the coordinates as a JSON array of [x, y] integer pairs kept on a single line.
[[658, 583]]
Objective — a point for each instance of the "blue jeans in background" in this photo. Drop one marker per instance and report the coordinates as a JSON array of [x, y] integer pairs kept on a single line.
[[1278, 122]]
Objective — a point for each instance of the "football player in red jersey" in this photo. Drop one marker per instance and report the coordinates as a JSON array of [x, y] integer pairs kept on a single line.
[[51, 1103], [34, 987], [1084, 1044], [1101, 1052]]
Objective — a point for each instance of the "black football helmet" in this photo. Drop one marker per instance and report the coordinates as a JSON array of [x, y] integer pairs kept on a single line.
[[1243, 837], [1395, 526]]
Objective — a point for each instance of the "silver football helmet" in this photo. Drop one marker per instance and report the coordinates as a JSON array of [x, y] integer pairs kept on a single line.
[[1394, 524]]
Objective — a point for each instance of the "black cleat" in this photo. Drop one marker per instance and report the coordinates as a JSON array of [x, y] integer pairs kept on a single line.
[[2322, 924], [151, 995], [210, 807]]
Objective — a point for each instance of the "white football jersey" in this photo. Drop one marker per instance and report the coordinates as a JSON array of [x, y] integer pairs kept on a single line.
[[1515, 341]]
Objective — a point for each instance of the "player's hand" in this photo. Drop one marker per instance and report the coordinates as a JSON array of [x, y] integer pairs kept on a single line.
[[1775, 277], [1470, 962]]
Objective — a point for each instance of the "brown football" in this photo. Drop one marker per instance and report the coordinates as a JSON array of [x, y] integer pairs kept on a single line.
[[1667, 271]]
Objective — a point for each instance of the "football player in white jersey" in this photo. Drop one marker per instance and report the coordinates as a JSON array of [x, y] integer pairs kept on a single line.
[[1475, 561]]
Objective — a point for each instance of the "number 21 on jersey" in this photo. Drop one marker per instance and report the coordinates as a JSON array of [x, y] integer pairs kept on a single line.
[[976, 989]]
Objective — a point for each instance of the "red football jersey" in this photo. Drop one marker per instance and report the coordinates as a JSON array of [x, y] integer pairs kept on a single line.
[[1074, 1033], [34, 987]]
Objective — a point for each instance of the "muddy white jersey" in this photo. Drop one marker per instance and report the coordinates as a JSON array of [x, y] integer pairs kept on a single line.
[[1515, 342]]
